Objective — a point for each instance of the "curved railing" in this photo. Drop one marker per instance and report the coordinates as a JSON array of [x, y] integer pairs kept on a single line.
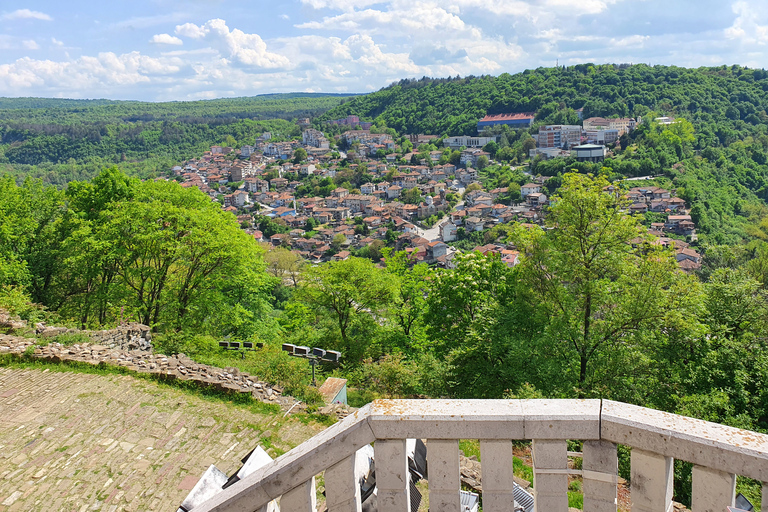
[[718, 453]]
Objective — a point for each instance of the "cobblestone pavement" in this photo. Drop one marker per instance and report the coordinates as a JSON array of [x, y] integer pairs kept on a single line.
[[84, 442]]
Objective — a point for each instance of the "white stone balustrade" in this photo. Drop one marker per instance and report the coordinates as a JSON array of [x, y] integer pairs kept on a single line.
[[718, 453]]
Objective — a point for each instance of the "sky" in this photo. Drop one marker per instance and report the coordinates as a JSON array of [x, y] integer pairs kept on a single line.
[[165, 50]]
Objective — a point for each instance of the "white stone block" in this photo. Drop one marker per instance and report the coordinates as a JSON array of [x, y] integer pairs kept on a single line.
[[444, 475], [764, 506], [498, 475], [342, 490], [600, 466], [712, 490], [550, 478], [652, 479], [561, 419], [447, 419], [393, 491], [300, 499]]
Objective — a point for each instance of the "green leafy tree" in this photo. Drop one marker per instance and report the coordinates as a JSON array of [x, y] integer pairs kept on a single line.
[[353, 293], [299, 155], [596, 290]]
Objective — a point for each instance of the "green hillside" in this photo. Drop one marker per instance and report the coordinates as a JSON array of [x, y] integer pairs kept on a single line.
[[65, 140], [719, 101]]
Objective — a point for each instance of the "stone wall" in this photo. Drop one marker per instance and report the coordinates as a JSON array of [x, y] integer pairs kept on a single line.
[[178, 367], [133, 336]]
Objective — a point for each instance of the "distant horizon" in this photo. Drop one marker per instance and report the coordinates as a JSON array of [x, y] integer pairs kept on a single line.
[[185, 50], [339, 94], [348, 94]]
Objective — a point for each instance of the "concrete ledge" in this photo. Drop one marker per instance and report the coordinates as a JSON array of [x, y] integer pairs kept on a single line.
[[562, 419], [701, 442], [447, 419], [296, 467]]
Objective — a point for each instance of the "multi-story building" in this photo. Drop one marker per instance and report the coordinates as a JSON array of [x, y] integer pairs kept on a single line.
[[595, 136], [467, 141], [315, 138], [559, 136], [622, 124]]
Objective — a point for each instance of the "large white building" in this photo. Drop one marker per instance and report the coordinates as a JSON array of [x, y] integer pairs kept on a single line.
[[622, 124], [467, 141], [559, 136]]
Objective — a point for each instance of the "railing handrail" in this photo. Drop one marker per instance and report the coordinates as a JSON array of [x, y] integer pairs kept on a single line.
[[704, 443]]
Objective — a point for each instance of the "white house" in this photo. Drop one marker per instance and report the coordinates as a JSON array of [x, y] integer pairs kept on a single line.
[[530, 188], [448, 232]]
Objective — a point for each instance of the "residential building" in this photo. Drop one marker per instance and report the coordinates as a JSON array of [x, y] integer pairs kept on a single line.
[[448, 231], [530, 188]]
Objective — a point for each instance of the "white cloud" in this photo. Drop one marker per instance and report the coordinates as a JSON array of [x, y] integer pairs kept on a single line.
[[85, 74], [247, 49], [340, 5], [747, 28], [190, 30], [26, 14], [165, 39], [360, 45], [30, 44]]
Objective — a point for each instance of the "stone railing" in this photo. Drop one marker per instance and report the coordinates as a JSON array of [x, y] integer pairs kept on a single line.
[[718, 453]]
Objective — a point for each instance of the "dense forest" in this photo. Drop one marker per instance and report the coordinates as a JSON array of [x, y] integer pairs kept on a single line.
[[721, 101], [65, 140]]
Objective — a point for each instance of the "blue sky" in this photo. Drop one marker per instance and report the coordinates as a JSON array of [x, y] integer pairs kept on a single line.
[[162, 50]]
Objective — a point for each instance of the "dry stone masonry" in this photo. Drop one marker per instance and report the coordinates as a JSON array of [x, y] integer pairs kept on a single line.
[[179, 367], [133, 336]]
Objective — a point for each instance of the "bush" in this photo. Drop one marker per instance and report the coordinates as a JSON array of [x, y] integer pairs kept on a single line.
[[391, 376], [15, 301]]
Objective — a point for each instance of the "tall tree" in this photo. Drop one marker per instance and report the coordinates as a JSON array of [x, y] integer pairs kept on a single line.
[[597, 283], [349, 291]]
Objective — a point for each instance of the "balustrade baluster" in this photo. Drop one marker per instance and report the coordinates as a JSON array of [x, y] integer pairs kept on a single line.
[[764, 505], [600, 467], [712, 490], [550, 475], [652, 481], [342, 490], [300, 499], [393, 491], [444, 475], [498, 475]]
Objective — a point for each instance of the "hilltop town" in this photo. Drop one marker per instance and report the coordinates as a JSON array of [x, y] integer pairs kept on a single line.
[[329, 197]]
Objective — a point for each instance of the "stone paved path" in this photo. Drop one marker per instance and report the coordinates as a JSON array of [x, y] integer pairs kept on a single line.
[[82, 442]]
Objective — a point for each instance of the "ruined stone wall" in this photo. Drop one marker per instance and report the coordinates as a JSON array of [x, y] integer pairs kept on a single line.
[[132, 336], [179, 367]]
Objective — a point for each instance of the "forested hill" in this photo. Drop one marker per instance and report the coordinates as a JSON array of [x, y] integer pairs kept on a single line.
[[65, 140], [286, 106], [718, 100]]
